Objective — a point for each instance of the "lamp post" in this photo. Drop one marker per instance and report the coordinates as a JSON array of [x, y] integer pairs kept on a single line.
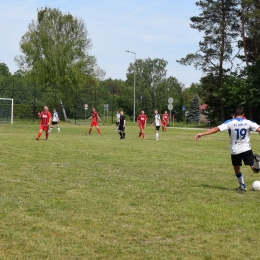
[[134, 83]]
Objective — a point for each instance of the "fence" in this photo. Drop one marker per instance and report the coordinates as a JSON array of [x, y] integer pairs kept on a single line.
[[29, 99]]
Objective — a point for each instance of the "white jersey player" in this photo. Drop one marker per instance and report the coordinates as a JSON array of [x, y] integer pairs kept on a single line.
[[55, 120], [239, 133], [157, 123]]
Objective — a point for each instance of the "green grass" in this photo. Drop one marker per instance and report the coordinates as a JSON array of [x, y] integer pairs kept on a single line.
[[90, 197]]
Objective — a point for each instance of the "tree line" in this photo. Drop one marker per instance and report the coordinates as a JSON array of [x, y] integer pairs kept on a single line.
[[153, 89], [55, 64]]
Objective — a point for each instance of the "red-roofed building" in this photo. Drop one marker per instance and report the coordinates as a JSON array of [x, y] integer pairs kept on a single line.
[[203, 118], [203, 107]]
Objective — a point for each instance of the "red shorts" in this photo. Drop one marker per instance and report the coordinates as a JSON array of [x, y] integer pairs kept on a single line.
[[164, 123], [94, 124], [142, 127], [44, 128]]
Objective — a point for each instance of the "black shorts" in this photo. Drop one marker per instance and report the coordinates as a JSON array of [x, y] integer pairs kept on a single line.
[[121, 128], [247, 158], [54, 123], [157, 128], [117, 123]]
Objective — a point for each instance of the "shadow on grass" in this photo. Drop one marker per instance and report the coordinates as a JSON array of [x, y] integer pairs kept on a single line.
[[214, 187]]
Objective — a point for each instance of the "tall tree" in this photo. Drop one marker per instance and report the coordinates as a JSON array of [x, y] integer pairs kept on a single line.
[[56, 52], [250, 17], [153, 87], [219, 20], [250, 43]]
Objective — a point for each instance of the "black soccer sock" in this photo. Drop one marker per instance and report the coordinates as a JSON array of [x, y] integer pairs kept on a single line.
[[124, 134], [120, 134]]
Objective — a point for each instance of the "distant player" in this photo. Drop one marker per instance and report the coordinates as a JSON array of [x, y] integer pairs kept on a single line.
[[95, 117], [117, 119], [240, 149], [121, 128], [45, 117], [55, 121], [165, 121], [141, 121], [157, 123]]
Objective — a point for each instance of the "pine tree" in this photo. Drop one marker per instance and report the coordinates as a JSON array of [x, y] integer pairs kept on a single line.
[[219, 21], [194, 111]]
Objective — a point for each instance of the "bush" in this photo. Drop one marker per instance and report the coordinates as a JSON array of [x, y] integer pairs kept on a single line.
[[26, 111]]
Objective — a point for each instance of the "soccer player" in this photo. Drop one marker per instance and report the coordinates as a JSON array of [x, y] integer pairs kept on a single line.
[[45, 117], [95, 117], [157, 123], [141, 121], [165, 121], [55, 120], [117, 119], [121, 128], [240, 149]]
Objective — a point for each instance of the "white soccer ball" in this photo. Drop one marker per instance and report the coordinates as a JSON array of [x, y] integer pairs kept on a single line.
[[256, 185]]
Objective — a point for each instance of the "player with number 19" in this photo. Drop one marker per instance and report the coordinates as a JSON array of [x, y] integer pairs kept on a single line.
[[239, 133]]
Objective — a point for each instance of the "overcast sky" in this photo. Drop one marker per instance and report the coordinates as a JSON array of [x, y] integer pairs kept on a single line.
[[151, 28]]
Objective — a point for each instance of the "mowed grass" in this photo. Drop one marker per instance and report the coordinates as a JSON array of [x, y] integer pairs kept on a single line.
[[98, 197]]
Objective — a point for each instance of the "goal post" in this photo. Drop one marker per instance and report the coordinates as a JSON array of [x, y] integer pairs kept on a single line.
[[11, 114]]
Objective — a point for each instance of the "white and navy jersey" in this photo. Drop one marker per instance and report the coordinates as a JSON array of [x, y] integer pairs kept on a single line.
[[55, 117], [117, 117], [157, 120], [239, 134]]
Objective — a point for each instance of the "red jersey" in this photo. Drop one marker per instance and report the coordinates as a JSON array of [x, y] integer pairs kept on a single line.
[[45, 118], [165, 118], [94, 116], [141, 119]]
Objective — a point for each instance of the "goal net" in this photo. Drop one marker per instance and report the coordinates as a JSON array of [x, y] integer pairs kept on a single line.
[[6, 110]]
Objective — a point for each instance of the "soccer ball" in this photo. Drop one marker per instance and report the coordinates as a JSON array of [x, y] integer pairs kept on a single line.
[[256, 185]]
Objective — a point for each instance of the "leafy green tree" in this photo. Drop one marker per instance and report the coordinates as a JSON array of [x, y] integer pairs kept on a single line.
[[149, 75], [19, 73], [4, 70], [153, 87], [194, 111], [55, 54]]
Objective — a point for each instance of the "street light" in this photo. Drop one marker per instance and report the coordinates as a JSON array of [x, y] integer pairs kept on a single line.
[[134, 83]]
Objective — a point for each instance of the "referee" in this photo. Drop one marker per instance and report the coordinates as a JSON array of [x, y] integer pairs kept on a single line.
[[121, 128]]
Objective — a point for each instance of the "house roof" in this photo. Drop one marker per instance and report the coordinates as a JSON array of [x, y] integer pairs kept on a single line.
[[203, 107]]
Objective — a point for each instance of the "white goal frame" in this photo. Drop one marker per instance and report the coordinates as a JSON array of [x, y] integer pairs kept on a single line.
[[12, 108]]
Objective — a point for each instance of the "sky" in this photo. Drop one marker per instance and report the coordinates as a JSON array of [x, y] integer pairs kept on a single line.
[[150, 28]]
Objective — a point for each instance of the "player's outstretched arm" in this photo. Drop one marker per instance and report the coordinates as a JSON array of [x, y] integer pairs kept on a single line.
[[258, 130], [208, 132]]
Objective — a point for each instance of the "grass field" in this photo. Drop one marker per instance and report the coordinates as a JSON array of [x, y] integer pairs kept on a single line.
[[91, 197]]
